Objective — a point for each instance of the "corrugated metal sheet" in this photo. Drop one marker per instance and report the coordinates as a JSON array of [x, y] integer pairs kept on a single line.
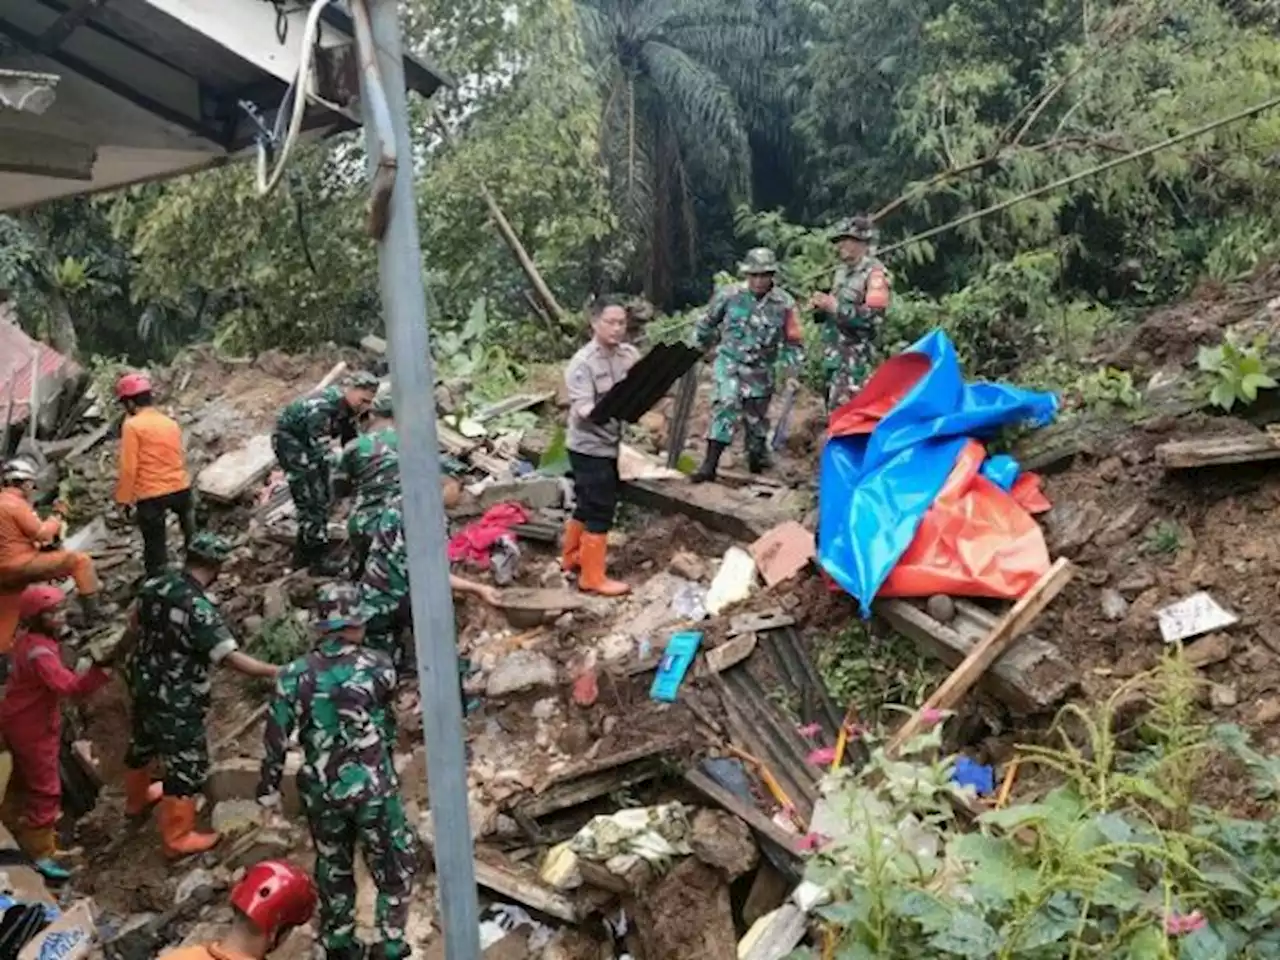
[[16, 350], [646, 384]]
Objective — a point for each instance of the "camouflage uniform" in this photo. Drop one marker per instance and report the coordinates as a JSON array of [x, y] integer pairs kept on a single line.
[[371, 464], [758, 332], [384, 589], [300, 446], [339, 700], [181, 632], [849, 338]]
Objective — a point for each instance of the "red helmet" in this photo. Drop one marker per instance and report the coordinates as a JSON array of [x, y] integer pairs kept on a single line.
[[39, 598], [132, 385], [274, 895]]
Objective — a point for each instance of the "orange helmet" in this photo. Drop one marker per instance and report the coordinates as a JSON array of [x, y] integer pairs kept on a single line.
[[275, 895], [37, 599], [132, 385]]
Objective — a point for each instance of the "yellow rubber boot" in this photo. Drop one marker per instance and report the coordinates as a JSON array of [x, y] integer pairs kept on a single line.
[[593, 579], [177, 816], [140, 792], [571, 548]]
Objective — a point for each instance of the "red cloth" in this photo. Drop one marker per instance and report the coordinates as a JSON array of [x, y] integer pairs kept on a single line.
[[31, 720], [474, 541]]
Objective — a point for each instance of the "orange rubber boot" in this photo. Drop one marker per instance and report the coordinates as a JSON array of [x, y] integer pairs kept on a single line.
[[140, 792], [595, 546], [177, 817], [571, 550]]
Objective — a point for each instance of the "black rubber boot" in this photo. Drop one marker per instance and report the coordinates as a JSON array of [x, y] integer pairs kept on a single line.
[[710, 463], [758, 461]]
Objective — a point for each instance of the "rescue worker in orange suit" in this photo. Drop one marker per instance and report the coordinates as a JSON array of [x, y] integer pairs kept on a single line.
[[25, 542], [273, 898], [31, 721], [153, 480]]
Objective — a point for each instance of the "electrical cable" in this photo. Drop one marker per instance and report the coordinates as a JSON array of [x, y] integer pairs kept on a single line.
[[294, 105]]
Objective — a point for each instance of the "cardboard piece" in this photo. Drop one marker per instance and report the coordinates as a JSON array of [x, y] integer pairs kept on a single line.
[[70, 937]]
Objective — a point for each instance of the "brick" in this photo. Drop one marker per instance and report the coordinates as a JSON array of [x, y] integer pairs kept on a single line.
[[783, 552]]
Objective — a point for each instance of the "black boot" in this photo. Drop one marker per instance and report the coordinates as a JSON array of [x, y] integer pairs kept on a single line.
[[710, 464], [758, 461]]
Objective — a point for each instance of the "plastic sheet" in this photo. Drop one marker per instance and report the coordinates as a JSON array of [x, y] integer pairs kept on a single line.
[[891, 452]]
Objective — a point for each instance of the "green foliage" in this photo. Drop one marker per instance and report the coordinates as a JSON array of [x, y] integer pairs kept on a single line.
[[1102, 865], [1163, 538], [1237, 372], [866, 670], [469, 352], [1106, 390], [281, 640]]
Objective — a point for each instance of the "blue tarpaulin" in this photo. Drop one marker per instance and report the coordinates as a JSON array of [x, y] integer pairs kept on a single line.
[[875, 487]]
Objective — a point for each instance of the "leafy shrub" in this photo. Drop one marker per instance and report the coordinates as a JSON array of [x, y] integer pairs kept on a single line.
[[1106, 389], [1237, 372], [1116, 861]]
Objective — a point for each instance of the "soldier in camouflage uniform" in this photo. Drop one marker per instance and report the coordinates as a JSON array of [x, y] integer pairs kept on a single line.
[[758, 327], [853, 312], [370, 469], [301, 445], [339, 699], [177, 632], [384, 590]]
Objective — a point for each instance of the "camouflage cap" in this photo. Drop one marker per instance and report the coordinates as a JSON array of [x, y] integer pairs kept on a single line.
[[861, 227], [363, 380], [759, 261], [338, 607], [382, 405], [209, 547]]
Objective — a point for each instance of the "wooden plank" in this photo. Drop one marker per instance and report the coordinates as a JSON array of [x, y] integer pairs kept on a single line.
[[756, 820], [1030, 678], [1218, 451], [453, 443], [91, 440], [988, 650], [513, 404], [231, 476], [613, 761], [739, 515], [494, 873], [566, 796], [731, 653], [774, 936]]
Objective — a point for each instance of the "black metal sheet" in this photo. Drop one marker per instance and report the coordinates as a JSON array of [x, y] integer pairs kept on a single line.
[[646, 383]]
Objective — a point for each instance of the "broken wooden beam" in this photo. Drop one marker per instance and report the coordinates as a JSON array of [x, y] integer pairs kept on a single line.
[[574, 793], [988, 650], [1030, 678], [656, 748], [513, 404], [1218, 451], [722, 509]]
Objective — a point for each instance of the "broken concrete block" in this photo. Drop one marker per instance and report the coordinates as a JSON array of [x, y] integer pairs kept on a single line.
[[536, 493], [721, 840], [520, 671], [234, 818], [1114, 605], [261, 844], [237, 779], [688, 565], [783, 552]]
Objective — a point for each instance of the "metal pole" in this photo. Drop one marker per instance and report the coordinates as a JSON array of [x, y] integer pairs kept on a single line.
[[404, 305]]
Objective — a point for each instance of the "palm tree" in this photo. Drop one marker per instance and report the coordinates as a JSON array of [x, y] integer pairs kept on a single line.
[[683, 83]]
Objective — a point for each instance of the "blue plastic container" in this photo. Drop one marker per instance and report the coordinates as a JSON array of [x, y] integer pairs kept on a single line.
[[676, 660]]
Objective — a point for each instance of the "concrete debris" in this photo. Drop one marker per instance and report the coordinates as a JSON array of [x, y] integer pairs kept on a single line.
[[1139, 581], [688, 565], [519, 672], [256, 846], [941, 607], [233, 818], [1222, 696], [537, 493], [1114, 606], [784, 552], [1073, 526], [733, 582], [192, 882], [1215, 648], [723, 841]]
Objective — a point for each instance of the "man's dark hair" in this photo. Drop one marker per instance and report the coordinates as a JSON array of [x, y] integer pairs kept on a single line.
[[142, 399], [602, 303]]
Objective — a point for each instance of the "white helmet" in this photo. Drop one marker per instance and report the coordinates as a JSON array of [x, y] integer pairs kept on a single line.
[[19, 471]]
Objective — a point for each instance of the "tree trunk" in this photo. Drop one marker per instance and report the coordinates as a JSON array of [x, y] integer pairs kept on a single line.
[[62, 330]]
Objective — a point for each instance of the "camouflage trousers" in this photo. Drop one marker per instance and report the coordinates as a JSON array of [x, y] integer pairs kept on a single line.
[[175, 740], [847, 367], [383, 833], [739, 396], [306, 468]]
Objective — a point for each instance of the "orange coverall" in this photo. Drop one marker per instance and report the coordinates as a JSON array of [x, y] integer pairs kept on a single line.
[[22, 562], [152, 463], [210, 951]]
